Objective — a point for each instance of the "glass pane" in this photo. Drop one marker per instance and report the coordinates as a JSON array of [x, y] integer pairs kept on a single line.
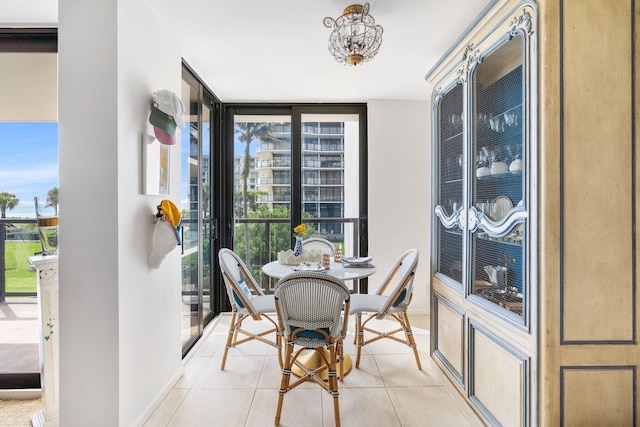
[[499, 176], [330, 178], [29, 168], [450, 200], [498, 268], [206, 210], [262, 190], [190, 147]]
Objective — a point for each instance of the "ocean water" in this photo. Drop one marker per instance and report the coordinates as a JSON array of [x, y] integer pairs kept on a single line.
[[22, 211]]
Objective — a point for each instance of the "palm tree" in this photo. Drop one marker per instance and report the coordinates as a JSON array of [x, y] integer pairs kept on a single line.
[[52, 199], [250, 132], [7, 201]]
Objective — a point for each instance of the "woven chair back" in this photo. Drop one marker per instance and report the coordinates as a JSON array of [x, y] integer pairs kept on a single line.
[[312, 301]]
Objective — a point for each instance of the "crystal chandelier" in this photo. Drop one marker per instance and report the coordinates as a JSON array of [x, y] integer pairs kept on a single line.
[[355, 37]]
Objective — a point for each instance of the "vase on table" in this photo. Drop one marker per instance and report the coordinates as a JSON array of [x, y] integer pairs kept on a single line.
[[297, 248]]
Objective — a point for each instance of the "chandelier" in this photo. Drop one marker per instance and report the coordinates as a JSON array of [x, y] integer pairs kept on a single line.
[[355, 37]]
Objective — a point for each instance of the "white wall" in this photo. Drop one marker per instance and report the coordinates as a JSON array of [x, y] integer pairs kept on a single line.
[[119, 319], [31, 92], [400, 189]]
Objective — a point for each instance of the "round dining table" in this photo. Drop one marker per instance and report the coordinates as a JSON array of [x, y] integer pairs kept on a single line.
[[336, 269], [310, 358]]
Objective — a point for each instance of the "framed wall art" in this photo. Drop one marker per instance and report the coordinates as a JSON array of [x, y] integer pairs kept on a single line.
[[155, 166]]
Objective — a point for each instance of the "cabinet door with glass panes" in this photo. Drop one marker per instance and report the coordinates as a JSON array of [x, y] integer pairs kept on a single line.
[[449, 183], [498, 176], [482, 179]]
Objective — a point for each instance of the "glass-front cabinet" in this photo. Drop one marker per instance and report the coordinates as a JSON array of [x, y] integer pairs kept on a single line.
[[482, 181], [484, 204]]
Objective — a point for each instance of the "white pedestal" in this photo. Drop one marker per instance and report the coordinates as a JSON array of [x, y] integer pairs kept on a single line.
[[47, 272]]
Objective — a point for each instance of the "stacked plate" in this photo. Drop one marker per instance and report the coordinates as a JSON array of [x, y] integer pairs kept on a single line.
[[352, 262]]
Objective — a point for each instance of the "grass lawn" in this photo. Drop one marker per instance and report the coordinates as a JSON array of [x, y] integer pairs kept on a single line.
[[18, 278]]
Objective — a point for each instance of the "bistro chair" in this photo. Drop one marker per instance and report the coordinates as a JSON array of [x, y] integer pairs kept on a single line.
[[312, 313], [319, 243], [247, 301], [393, 304]]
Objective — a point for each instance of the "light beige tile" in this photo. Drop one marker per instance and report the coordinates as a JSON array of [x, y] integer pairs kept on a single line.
[[423, 340], [400, 370], [192, 371], [239, 372], [251, 381], [210, 344], [367, 375], [427, 406], [350, 348], [360, 407], [302, 407], [167, 408], [388, 346], [249, 348], [271, 374], [211, 407]]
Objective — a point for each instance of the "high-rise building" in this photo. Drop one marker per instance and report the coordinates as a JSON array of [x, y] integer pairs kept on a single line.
[[322, 171]]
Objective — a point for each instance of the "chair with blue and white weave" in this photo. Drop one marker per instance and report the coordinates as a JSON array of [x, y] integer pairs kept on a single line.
[[247, 301], [313, 312], [392, 303], [323, 245]]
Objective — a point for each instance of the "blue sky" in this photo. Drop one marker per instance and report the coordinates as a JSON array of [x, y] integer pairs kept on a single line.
[[28, 162]]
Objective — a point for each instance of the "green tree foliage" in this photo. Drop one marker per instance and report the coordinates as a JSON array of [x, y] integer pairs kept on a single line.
[[279, 235], [8, 201], [252, 197], [247, 133]]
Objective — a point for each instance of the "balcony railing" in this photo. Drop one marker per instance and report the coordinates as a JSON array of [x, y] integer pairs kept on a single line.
[[273, 164], [17, 244], [323, 181], [322, 198], [270, 198], [323, 147], [268, 146], [323, 164], [268, 236], [265, 180], [323, 130]]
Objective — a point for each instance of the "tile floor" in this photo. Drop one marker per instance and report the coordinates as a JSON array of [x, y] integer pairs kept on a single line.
[[19, 335], [387, 390]]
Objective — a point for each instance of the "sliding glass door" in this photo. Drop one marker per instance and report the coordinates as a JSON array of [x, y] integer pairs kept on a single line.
[[199, 187]]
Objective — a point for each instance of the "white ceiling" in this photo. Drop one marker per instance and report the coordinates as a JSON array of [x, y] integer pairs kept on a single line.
[[276, 50]]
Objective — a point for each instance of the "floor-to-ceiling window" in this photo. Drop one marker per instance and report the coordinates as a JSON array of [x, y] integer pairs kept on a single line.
[[199, 204], [291, 165]]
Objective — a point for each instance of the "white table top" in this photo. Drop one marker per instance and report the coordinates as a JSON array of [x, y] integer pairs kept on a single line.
[[277, 270]]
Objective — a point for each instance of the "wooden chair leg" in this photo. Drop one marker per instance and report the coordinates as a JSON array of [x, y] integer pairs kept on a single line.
[[230, 338], [340, 356], [279, 347], [408, 333], [359, 339], [284, 382], [333, 384]]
